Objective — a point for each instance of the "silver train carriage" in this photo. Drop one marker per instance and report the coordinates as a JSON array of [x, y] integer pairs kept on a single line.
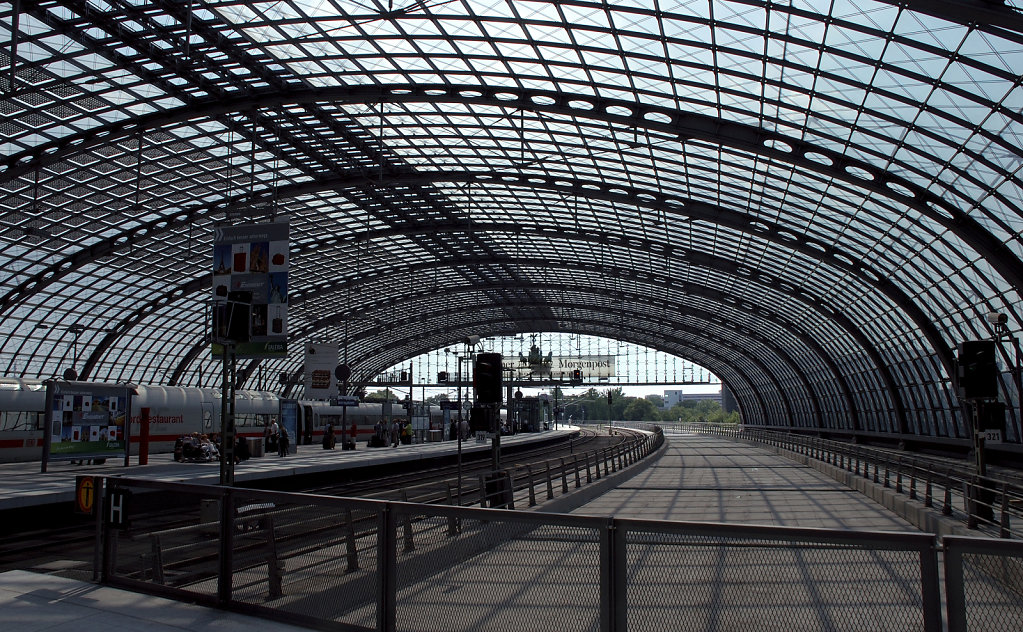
[[173, 411], [176, 410]]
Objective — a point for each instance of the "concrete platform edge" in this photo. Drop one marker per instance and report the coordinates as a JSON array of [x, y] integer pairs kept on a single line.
[[913, 511], [583, 495]]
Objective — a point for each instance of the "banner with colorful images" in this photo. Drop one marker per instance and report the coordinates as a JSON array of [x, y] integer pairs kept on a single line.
[[250, 289], [86, 420]]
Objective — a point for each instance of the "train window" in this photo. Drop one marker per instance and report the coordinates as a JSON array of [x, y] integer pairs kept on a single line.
[[20, 420], [251, 420]]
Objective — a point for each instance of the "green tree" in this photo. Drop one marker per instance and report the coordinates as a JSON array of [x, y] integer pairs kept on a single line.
[[639, 410], [379, 396]]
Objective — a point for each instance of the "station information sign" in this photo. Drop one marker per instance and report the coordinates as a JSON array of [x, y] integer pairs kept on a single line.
[[86, 420], [558, 367], [250, 289]]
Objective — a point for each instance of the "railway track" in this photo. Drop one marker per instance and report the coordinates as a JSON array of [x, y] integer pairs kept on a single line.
[[63, 546]]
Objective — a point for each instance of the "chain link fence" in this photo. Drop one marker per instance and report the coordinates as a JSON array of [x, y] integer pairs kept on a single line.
[[348, 564]]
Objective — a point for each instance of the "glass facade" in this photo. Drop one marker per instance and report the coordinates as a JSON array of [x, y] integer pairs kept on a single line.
[[815, 200]]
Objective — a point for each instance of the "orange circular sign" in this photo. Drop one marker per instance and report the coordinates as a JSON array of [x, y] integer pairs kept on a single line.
[[85, 495]]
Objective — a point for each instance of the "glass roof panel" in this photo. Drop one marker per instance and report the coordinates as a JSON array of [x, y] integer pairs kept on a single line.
[[775, 162]]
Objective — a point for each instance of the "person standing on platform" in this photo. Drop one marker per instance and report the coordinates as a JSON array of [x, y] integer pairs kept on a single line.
[[353, 435], [395, 433], [272, 436], [282, 442]]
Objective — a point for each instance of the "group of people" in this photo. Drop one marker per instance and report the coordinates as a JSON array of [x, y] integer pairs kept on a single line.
[[330, 439], [276, 439], [196, 447], [393, 436], [459, 430], [200, 447]]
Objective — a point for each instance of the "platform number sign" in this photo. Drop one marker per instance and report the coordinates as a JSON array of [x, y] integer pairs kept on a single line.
[[117, 506], [991, 436]]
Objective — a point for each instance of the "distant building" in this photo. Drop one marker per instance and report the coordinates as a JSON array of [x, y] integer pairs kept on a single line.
[[672, 398]]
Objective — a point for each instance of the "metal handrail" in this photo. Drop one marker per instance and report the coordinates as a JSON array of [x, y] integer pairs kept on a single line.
[[989, 502]]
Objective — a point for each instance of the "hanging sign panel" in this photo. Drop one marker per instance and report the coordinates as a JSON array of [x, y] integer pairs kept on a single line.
[[559, 367], [320, 362], [250, 289], [86, 421]]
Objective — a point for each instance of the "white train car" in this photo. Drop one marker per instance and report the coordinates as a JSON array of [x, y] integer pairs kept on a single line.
[[173, 411], [317, 414], [21, 419]]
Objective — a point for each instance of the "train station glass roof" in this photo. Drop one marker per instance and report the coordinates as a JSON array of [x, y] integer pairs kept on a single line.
[[815, 200]]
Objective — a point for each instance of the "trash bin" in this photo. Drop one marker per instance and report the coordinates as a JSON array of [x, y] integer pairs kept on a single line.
[[435, 435], [255, 447], [498, 491]]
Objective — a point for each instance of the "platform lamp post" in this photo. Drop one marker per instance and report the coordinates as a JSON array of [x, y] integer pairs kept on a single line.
[[231, 324], [77, 330], [71, 374], [1001, 332], [458, 434], [610, 415], [343, 373], [470, 344]]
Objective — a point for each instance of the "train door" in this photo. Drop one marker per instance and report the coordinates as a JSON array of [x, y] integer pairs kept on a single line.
[[308, 419], [209, 418]]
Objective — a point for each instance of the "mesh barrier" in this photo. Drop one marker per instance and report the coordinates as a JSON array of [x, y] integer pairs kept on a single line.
[[984, 581], [338, 563], [311, 560], [168, 539], [496, 575], [715, 582]]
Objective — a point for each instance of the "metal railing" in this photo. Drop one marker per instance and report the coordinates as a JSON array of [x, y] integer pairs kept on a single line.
[[532, 484], [989, 503], [349, 564]]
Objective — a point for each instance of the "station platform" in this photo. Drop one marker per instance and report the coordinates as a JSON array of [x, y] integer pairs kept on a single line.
[[705, 478], [33, 601], [25, 485]]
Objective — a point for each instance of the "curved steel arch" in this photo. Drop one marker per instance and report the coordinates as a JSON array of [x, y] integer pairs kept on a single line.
[[782, 393], [196, 284], [683, 125], [597, 326], [995, 17], [716, 295], [738, 221], [709, 261]]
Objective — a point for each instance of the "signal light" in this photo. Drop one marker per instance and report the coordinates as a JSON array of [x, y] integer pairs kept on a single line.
[[487, 378], [577, 375]]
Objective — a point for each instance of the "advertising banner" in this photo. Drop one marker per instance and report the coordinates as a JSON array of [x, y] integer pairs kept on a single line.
[[289, 421], [320, 362], [559, 367], [86, 421], [250, 289]]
